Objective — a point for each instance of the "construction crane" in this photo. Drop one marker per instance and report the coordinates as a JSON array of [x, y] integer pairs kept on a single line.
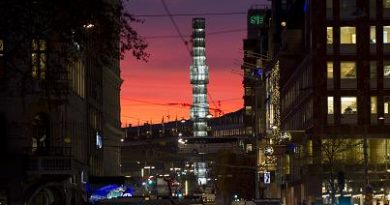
[[217, 111]]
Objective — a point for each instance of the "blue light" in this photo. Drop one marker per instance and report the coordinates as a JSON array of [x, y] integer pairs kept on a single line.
[[305, 6], [111, 191]]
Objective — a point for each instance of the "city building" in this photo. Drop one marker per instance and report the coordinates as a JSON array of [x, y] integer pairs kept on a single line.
[[255, 50], [59, 106], [199, 75], [169, 148], [334, 89]]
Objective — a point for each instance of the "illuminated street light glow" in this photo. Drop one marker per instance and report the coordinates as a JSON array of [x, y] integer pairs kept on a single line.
[[88, 26]]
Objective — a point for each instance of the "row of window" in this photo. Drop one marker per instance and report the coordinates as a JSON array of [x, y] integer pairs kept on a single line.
[[38, 58], [348, 35], [39, 66], [348, 105], [348, 70], [349, 9], [228, 132]]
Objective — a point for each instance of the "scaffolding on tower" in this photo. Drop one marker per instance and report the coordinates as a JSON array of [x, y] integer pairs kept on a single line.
[[199, 75]]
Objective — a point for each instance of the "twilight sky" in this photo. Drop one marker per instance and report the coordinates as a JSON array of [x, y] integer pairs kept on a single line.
[[149, 87]]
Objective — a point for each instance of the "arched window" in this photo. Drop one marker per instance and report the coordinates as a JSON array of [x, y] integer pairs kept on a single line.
[[41, 132]]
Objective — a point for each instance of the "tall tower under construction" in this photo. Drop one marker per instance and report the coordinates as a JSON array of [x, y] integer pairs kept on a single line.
[[199, 78]]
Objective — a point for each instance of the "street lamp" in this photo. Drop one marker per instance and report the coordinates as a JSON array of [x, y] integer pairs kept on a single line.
[[209, 116]]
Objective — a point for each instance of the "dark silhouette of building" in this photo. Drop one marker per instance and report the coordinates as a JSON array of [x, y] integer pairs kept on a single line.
[[255, 50], [59, 111]]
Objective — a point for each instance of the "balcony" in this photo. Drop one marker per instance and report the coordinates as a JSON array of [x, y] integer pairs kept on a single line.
[[50, 160]]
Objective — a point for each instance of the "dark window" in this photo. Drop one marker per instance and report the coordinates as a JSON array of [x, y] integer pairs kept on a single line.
[[2, 66], [41, 132]]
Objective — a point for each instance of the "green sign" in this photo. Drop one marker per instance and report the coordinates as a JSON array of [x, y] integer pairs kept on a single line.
[[256, 20]]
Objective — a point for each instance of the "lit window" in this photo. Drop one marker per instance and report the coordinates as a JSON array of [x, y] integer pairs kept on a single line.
[[386, 4], [330, 70], [248, 110], [386, 34], [249, 130], [38, 59], [372, 34], [386, 104], [77, 76], [386, 69], [348, 70], [329, 34], [348, 105], [374, 105], [249, 148], [348, 35], [330, 105]]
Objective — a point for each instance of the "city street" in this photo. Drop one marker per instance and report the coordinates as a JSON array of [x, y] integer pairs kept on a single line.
[[195, 102]]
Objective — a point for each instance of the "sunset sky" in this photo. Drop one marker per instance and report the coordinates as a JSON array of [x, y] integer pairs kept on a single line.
[[149, 86]]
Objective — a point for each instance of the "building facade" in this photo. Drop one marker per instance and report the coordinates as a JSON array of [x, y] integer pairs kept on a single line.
[[54, 115], [334, 100], [255, 50]]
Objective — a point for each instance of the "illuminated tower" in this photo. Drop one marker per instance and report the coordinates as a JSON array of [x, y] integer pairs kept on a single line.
[[199, 78]]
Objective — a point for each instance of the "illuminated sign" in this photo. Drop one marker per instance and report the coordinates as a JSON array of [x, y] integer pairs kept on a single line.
[[111, 191], [256, 20], [267, 177]]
